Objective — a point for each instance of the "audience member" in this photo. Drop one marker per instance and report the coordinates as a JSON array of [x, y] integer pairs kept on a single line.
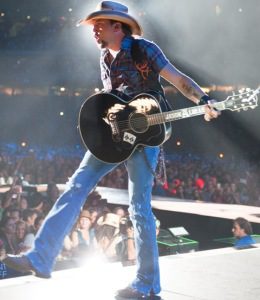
[[94, 214], [30, 236], [242, 231], [29, 216], [7, 234], [2, 251], [82, 236], [15, 214], [118, 210], [12, 197], [20, 234], [125, 249], [52, 194], [108, 235], [23, 204]]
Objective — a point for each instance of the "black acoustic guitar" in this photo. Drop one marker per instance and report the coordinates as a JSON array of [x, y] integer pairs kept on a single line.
[[112, 125]]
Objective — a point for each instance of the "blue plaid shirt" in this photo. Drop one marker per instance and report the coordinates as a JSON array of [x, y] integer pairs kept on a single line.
[[123, 74]]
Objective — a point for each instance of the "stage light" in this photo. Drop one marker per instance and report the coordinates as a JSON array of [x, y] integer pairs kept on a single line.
[[2, 14], [62, 89], [61, 113], [221, 155], [218, 10], [23, 144], [178, 143], [70, 9], [28, 17], [94, 270], [142, 13], [206, 89]]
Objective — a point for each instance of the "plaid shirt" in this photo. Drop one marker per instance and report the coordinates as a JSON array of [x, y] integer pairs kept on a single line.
[[123, 74]]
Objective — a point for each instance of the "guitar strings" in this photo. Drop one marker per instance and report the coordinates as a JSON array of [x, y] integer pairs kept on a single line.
[[125, 124], [156, 117]]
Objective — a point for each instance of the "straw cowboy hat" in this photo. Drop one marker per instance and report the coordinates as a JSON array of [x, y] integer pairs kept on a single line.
[[113, 11], [109, 219]]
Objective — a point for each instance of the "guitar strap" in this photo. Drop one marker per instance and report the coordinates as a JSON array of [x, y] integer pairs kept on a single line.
[[160, 174], [139, 57]]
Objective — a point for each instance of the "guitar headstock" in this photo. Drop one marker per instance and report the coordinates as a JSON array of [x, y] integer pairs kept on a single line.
[[246, 98]]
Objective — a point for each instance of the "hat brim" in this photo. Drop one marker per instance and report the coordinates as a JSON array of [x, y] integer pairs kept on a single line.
[[102, 221], [116, 16]]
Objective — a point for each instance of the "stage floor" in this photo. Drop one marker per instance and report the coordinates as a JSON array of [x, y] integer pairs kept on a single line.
[[218, 274]]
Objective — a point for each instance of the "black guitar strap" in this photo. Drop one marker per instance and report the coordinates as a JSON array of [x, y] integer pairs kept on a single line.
[[139, 57], [160, 175], [137, 54]]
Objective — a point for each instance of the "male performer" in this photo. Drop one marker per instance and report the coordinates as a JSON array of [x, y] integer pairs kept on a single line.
[[130, 66]]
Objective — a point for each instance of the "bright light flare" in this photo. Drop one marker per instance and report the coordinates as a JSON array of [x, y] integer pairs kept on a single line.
[[96, 276], [221, 155]]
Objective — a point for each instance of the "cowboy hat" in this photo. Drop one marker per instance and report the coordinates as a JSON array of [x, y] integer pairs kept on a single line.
[[113, 11], [109, 219]]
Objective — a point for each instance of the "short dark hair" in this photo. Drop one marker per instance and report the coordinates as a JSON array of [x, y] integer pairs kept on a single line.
[[244, 224], [27, 213]]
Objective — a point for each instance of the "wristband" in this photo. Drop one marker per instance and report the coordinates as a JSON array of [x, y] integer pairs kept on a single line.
[[204, 100]]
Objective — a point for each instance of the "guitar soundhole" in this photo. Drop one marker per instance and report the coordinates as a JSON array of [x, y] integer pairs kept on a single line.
[[138, 122]]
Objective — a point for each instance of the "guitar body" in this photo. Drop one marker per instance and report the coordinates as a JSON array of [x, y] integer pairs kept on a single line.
[[112, 125]]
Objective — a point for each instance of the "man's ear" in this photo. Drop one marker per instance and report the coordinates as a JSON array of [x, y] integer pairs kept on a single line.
[[117, 26]]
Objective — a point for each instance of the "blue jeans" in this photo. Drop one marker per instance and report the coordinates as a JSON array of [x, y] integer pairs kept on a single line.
[[58, 223]]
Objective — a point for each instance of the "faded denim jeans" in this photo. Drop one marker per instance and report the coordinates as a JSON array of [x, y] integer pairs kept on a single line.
[[64, 214]]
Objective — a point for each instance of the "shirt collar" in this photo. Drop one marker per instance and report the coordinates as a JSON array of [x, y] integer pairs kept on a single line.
[[126, 44]]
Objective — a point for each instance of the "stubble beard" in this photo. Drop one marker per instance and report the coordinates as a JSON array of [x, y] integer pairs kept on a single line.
[[102, 44]]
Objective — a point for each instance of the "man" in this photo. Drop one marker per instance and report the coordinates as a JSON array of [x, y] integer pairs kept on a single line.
[[242, 231], [130, 66]]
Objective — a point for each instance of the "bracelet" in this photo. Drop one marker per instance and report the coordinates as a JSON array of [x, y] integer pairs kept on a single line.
[[204, 100]]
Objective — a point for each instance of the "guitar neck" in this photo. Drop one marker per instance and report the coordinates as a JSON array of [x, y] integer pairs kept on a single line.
[[182, 113]]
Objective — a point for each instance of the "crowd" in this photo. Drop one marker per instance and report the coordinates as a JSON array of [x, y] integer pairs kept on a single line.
[[189, 177], [212, 180], [102, 230], [31, 32]]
